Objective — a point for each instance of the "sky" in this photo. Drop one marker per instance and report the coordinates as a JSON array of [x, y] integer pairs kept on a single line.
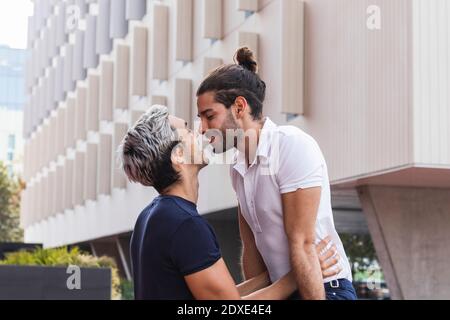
[[14, 22]]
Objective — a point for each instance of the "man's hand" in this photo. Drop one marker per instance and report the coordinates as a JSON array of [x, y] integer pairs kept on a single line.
[[329, 258]]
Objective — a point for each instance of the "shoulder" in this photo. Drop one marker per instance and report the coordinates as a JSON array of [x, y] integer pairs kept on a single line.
[[294, 141], [194, 231], [165, 215], [291, 134]]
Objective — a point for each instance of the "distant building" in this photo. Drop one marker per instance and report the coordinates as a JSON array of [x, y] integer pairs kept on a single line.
[[12, 99]]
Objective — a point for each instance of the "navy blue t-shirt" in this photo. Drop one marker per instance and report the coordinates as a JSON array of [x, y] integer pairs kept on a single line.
[[170, 241]]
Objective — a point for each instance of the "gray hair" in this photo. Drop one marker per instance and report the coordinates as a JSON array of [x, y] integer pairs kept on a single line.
[[146, 150]]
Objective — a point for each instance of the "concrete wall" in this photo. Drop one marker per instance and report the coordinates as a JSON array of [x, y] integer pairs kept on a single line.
[[410, 230]]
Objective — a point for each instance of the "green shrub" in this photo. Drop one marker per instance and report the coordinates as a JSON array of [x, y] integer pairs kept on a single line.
[[127, 290], [63, 257]]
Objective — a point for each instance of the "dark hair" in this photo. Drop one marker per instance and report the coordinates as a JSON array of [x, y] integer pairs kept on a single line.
[[163, 172], [231, 81]]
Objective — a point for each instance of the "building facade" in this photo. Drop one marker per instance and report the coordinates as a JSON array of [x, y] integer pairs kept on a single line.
[[369, 79]]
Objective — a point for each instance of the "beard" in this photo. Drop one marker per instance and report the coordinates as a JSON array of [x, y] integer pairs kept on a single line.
[[229, 141]]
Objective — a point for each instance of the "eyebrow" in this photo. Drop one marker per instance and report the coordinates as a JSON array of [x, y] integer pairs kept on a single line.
[[204, 112]]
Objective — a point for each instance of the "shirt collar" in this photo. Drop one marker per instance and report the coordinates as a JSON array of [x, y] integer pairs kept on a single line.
[[263, 149]]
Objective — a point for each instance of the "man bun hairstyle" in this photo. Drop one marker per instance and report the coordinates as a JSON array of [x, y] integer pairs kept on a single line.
[[245, 58], [228, 82]]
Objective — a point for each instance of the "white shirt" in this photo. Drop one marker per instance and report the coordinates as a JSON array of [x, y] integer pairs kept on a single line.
[[287, 159]]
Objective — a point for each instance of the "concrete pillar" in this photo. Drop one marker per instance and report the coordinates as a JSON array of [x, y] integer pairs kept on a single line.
[[410, 231]]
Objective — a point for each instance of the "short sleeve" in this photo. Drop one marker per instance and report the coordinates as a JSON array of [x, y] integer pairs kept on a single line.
[[194, 246], [301, 164]]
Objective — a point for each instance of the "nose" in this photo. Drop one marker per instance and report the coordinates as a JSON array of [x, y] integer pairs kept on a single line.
[[203, 127]]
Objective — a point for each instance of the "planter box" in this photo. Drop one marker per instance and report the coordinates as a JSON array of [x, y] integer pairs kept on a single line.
[[50, 283]]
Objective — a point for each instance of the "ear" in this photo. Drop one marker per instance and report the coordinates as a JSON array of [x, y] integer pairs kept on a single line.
[[177, 156], [241, 106]]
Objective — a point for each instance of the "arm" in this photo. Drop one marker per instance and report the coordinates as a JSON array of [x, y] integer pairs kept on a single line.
[[328, 258], [216, 283], [213, 283], [286, 286], [280, 290], [300, 213], [252, 263], [254, 284]]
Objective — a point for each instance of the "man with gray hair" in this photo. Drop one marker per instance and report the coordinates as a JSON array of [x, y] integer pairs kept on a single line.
[[175, 253]]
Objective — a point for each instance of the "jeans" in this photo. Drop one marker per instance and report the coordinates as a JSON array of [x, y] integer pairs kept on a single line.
[[341, 289]]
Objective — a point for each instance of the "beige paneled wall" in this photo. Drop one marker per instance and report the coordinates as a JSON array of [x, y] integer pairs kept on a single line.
[[358, 86], [431, 52]]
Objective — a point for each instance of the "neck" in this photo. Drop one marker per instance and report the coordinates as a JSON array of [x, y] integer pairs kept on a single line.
[[187, 188], [248, 145]]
